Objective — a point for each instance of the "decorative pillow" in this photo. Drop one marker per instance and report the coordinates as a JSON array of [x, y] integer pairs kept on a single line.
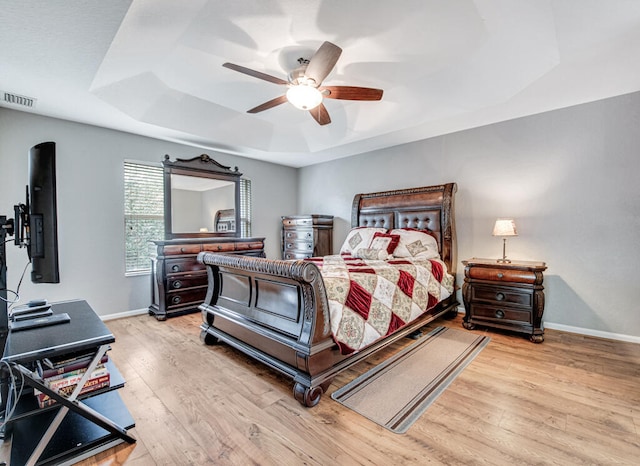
[[359, 237], [415, 244], [384, 241], [372, 254]]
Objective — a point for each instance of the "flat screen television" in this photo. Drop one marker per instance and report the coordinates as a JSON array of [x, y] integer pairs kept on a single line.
[[43, 215]]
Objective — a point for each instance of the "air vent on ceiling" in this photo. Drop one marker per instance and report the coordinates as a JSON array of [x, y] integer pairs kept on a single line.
[[16, 99]]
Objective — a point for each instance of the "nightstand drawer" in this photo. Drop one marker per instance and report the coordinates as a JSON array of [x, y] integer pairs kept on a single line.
[[502, 296], [502, 275], [500, 313]]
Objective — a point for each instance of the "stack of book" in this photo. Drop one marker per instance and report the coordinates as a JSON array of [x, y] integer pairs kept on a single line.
[[62, 375]]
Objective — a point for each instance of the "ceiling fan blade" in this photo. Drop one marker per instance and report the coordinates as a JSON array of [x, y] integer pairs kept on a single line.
[[254, 73], [270, 104], [351, 93], [323, 62], [320, 114]]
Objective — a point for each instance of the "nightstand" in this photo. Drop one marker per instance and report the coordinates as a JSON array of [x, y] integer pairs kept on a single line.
[[504, 295]]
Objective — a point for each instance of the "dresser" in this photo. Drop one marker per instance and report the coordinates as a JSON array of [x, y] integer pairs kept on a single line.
[[305, 236], [179, 281], [509, 296]]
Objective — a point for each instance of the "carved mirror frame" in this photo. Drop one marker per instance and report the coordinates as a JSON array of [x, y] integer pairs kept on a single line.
[[201, 166]]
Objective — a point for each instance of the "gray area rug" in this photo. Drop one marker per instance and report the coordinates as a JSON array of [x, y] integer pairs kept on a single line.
[[396, 392]]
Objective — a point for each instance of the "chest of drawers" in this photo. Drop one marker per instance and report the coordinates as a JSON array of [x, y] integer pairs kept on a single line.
[[305, 236], [179, 281], [504, 295]]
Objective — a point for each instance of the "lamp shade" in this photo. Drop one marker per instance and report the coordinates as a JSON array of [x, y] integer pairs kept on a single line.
[[505, 227]]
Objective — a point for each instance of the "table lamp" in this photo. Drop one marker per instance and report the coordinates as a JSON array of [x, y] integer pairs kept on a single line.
[[504, 227]]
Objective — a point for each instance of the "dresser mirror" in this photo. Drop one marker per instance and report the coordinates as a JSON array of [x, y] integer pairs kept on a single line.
[[201, 198]]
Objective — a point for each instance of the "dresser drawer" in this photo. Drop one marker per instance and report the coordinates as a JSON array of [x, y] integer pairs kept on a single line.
[[301, 234], [181, 249], [500, 313], [186, 281], [288, 255], [193, 296], [291, 222], [502, 296], [247, 246], [219, 247], [190, 264], [301, 246]]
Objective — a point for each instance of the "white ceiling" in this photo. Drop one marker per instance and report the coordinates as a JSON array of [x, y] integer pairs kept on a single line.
[[154, 67]]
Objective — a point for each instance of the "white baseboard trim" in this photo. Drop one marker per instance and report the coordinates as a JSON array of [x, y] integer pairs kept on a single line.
[[120, 315], [583, 331], [592, 333]]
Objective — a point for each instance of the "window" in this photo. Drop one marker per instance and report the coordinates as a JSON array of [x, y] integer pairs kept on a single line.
[[143, 213], [245, 208]]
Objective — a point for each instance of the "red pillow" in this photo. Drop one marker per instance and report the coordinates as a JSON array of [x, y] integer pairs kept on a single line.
[[384, 241]]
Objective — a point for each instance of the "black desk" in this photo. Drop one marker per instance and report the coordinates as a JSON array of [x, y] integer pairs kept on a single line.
[[70, 428]]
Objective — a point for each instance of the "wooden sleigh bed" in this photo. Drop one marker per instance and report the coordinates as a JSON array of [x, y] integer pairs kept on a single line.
[[277, 312]]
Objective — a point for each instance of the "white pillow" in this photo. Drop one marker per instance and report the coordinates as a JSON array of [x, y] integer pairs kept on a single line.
[[415, 244], [359, 237]]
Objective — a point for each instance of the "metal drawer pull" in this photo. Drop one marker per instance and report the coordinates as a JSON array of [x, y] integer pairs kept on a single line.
[[499, 296], [176, 300], [176, 284], [176, 268], [500, 314], [500, 275]]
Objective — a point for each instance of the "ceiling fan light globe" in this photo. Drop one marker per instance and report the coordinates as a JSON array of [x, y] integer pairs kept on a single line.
[[304, 97]]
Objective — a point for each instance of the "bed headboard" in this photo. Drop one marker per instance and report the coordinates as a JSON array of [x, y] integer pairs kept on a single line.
[[426, 208]]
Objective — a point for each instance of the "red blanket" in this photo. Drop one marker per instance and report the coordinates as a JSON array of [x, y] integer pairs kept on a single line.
[[369, 300]]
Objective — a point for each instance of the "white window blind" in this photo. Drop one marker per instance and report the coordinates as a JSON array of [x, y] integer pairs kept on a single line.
[[143, 213], [245, 208]]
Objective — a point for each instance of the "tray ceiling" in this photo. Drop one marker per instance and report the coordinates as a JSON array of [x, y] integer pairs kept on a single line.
[[154, 67]]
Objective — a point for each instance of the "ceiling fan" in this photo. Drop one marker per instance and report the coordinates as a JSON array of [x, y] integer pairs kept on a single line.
[[305, 90]]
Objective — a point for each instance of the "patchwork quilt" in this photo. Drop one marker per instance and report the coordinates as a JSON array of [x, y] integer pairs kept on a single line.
[[369, 299]]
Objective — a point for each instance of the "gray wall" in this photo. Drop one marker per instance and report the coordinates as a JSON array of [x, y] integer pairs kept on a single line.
[[568, 177], [91, 200]]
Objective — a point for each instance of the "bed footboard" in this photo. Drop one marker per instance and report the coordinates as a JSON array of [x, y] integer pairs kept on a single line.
[[275, 311]]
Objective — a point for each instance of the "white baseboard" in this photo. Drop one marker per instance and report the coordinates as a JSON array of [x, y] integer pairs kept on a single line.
[[120, 315], [592, 333], [583, 331]]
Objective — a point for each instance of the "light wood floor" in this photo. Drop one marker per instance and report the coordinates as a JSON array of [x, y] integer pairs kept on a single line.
[[570, 400]]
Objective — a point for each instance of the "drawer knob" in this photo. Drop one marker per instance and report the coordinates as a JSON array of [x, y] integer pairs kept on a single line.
[[175, 268], [183, 250], [176, 300], [177, 284], [500, 314], [500, 275], [500, 296], [219, 247]]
